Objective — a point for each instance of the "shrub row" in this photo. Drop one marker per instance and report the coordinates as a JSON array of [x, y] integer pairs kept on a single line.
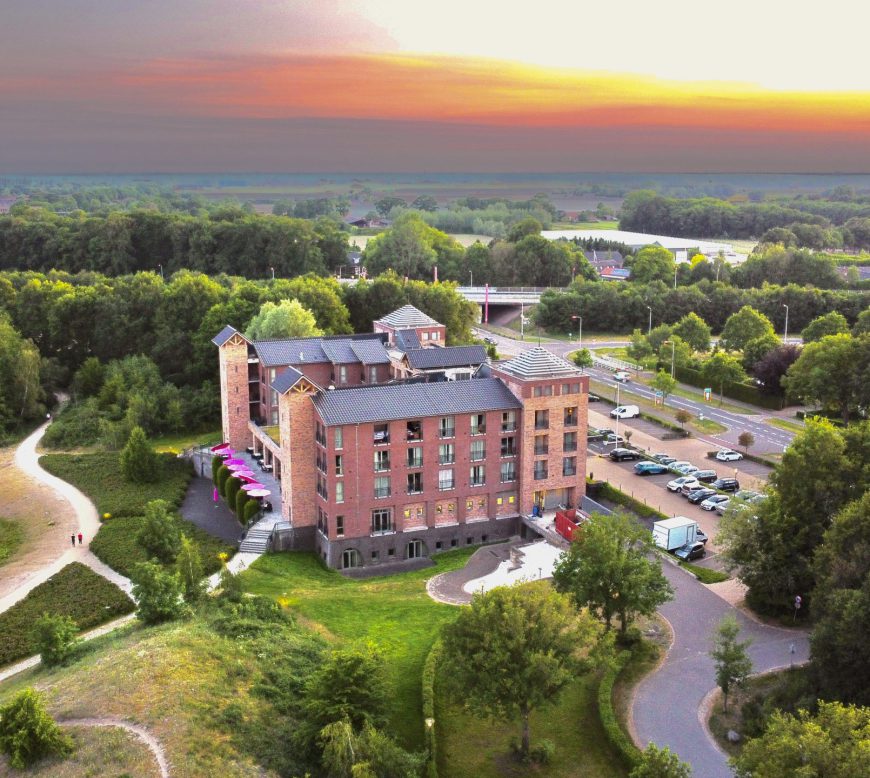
[[430, 667], [742, 392], [75, 591], [99, 476], [615, 734], [116, 545]]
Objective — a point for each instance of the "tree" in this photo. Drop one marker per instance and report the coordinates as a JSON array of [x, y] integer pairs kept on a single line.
[[609, 568], [834, 743], [773, 366], [652, 263], [758, 348], [28, 733], [664, 383], [683, 417], [159, 534], [412, 248], [862, 324], [425, 203], [286, 319], [369, 754], [55, 638], [677, 351], [660, 763], [694, 330], [741, 327], [157, 593], [386, 204], [833, 323], [139, 462], [582, 358], [640, 347], [721, 369], [745, 439], [523, 228], [514, 650], [190, 572], [732, 662]]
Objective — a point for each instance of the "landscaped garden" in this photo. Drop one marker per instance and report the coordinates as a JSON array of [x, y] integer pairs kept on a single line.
[[75, 591]]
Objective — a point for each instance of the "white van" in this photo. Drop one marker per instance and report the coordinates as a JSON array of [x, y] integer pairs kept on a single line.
[[625, 412], [622, 376]]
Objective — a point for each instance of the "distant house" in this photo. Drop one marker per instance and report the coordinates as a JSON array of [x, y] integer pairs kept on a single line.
[[6, 202], [603, 259], [615, 274], [368, 223]]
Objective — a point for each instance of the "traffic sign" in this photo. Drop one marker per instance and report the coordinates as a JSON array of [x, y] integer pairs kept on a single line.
[[708, 394]]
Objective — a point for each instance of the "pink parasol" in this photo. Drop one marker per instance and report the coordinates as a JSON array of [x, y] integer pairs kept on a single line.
[[241, 474], [252, 487], [234, 461], [226, 453], [236, 465], [219, 447], [259, 493], [249, 478]]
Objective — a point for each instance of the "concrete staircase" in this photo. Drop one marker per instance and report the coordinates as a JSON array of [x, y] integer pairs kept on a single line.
[[257, 539]]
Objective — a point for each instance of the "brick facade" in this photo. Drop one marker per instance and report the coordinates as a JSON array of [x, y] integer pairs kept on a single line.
[[235, 392], [299, 475]]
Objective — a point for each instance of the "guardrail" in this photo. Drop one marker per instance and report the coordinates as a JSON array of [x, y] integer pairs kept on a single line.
[[613, 364]]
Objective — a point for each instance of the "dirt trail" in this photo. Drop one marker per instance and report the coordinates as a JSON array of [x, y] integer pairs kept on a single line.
[[143, 734]]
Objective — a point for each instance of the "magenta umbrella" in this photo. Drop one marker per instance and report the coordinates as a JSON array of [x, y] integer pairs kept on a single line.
[[253, 487], [249, 478], [241, 474], [259, 493], [234, 461], [236, 465], [219, 447], [226, 454]]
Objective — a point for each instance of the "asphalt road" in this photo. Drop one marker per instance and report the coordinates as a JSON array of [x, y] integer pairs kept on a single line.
[[768, 438]]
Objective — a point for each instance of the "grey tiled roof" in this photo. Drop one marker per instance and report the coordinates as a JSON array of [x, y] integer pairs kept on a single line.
[[537, 362], [339, 352], [406, 339], [286, 379], [290, 352], [443, 358], [370, 352], [224, 335], [379, 403], [408, 316]]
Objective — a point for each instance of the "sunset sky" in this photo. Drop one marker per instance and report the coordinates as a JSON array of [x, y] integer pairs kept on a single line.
[[113, 86]]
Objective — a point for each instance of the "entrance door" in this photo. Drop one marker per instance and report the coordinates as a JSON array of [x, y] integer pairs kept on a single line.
[[415, 549]]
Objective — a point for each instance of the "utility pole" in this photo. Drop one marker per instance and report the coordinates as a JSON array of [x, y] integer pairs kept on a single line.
[[522, 321], [785, 335], [616, 442], [673, 353], [161, 272], [471, 274], [649, 331], [273, 272]]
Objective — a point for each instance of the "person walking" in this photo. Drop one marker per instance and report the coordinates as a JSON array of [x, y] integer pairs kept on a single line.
[[73, 539], [80, 538]]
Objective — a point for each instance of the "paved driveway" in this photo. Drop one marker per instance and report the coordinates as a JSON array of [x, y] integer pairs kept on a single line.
[[665, 709]]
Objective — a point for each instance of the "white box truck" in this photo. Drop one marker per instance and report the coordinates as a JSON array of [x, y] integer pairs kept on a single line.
[[670, 534]]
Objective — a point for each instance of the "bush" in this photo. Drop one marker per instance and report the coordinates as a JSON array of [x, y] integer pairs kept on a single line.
[[28, 733], [75, 591], [116, 544], [543, 752], [223, 476], [55, 638], [139, 463], [76, 425], [216, 464], [159, 535], [250, 510], [98, 475], [618, 739], [157, 592], [742, 392], [190, 572]]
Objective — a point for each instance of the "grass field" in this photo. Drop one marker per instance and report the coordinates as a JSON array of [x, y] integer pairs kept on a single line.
[[610, 225], [786, 424], [177, 443], [394, 612], [11, 538]]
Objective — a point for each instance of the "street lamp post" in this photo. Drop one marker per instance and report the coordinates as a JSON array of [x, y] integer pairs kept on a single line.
[[616, 441], [649, 331], [273, 272], [673, 353], [785, 334], [522, 321], [579, 320], [471, 275], [161, 271], [676, 266]]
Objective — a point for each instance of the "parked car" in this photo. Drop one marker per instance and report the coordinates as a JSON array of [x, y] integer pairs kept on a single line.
[[649, 468], [690, 484], [697, 496], [677, 483], [722, 506], [613, 438], [664, 459], [622, 376], [625, 412], [490, 341], [676, 465], [727, 455], [746, 494], [726, 484], [706, 476], [621, 454], [691, 551], [701, 536], [594, 398], [712, 501], [690, 470]]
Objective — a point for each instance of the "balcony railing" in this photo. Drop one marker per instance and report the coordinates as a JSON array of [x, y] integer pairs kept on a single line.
[[508, 426], [446, 459], [542, 424], [541, 450], [481, 430], [447, 432], [540, 475], [415, 462], [570, 446], [444, 485], [383, 492], [569, 471], [477, 482], [415, 490]]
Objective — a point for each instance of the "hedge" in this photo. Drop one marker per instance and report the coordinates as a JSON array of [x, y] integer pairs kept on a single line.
[[610, 492], [116, 545], [742, 392], [615, 734], [98, 475], [75, 591], [430, 667]]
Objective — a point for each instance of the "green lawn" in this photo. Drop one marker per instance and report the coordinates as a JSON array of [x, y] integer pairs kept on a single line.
[[11, 537], [182, 441], [98, 475], [708, 425], [394, 612], [786, 424]]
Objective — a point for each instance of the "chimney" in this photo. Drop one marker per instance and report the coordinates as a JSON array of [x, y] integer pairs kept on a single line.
[[301, 356]]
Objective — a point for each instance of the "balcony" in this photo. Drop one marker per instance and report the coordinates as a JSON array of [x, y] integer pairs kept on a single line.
[[382, 492], [447, 432], [445, 485], [446, 459], [569, 471], [479, 430], [540, 475], [508, 426], [542, 450], [542, 424], [381, 438]]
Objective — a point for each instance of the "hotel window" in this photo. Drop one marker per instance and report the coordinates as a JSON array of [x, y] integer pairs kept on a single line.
[[382, 487], [415, 457], [478, 423], [414, 430], [436, 336], [446, 454], [373, 375], [425, 336], [540, 470], [508, 421], [382, 461], [542, 420], [569, 465], [570, 419], [320, 434], [382, 521], [508, 472], [445, 479], [381, 434], [339, 464], [570, 388], [339, 491], [569, 441], [339, 438], [543, 391], [415, 483], [509, 447], [478, 450], [477, 476], [542, 445], [339, 525], [321, 487], [446, 427], [342, 374]]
